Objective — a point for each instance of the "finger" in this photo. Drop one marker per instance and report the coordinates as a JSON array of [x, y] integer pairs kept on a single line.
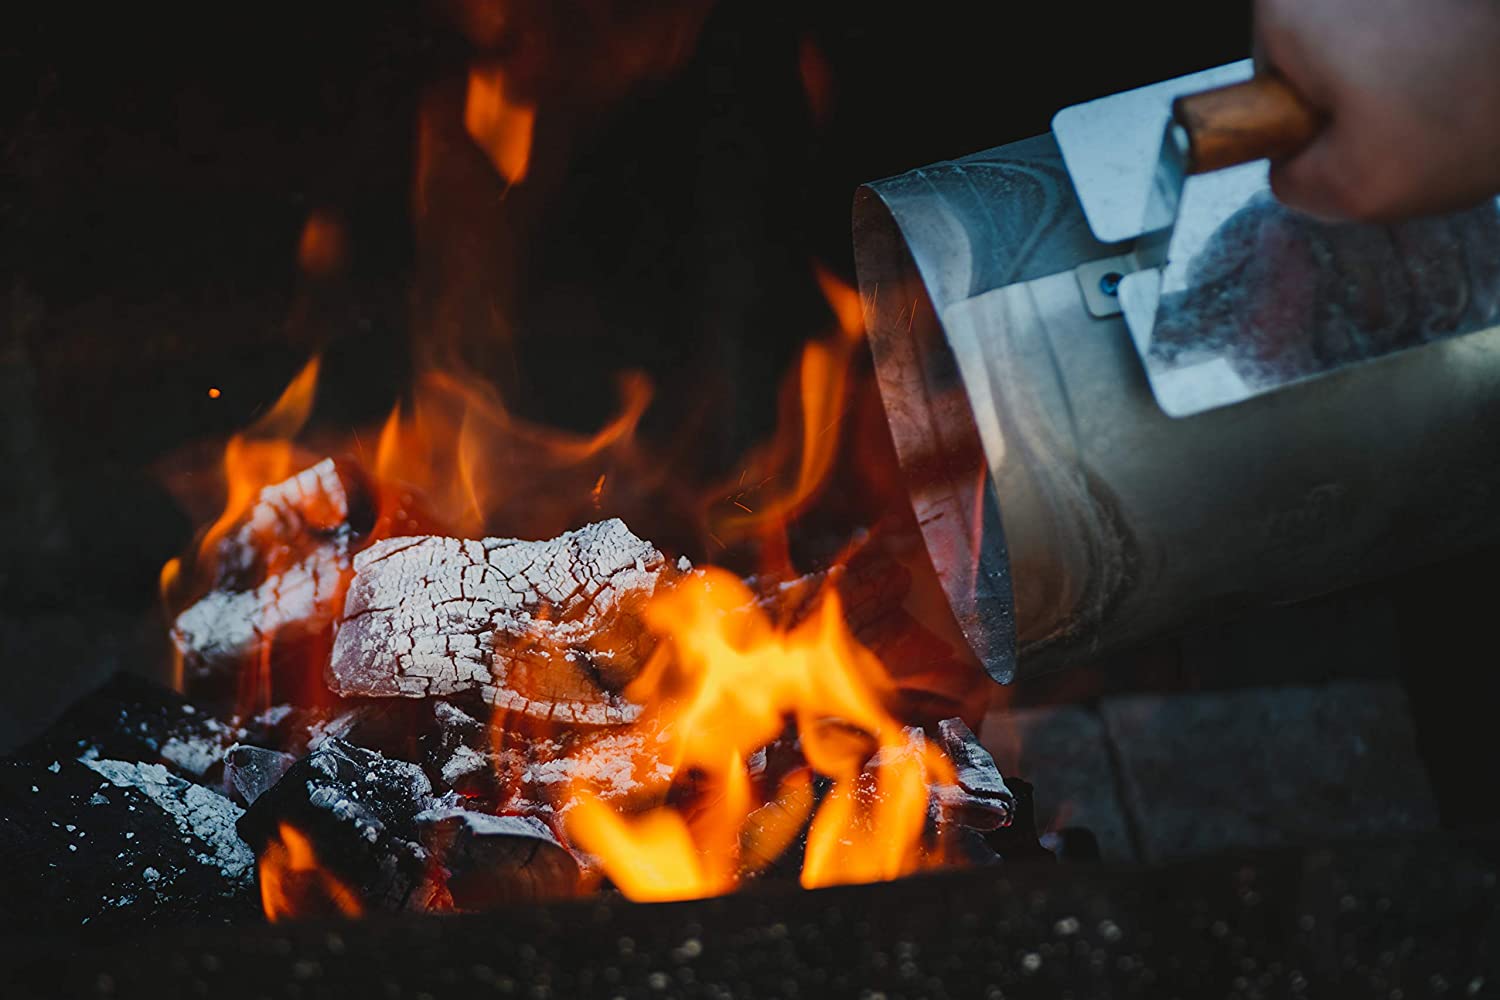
[[1319, 182]]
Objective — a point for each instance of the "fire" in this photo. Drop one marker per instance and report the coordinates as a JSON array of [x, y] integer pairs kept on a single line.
[[458, 450], [294, 884], [807, 441], [499, 124], [264, 454], [845, 794], [726, 683]]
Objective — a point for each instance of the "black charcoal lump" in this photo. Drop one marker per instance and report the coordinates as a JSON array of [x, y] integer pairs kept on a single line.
[[358, 808]]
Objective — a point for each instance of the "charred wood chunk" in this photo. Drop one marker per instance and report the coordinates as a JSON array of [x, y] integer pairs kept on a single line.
[[117, 844], [131, 718], [456, 750], [395, 728], [550, 630], [358, 809], [979, 798], [278, 578], [491, 860], [250, 772]]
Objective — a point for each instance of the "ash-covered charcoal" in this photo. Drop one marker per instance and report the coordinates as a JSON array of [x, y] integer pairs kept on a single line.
[[613, 766], [250, 772], [395, 728], [117, 844], [131, 718], [492, 860], [549, 629], [457, 751], [279, 577], [358, 808], [979, 798]]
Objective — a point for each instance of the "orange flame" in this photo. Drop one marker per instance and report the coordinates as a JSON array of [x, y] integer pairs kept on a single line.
[[458, 447], [263, 455], [811, 428], [498, 124], [294, 884], [724, 684]]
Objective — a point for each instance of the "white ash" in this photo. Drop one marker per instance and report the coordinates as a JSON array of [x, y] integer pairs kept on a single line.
[[465, 761], [302, 518], [488, 825], [227, 626], [192, 756], [273, 716], [197, 811], [549, 629]]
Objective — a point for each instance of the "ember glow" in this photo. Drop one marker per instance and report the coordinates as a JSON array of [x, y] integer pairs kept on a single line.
[[264, 454], [726, 683], [599, 711], [293, 883]]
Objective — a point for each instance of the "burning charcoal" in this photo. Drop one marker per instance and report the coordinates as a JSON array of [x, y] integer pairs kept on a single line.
[[614, 766], [105, 842], [359, 809], [280, 575], [550, 629], [457, 749], [773, 838], [249, 771], [979, 800], [395, 728], [492, 860], [130, 718]]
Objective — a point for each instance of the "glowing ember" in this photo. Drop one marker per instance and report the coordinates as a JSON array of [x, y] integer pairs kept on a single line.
[[293, 883]]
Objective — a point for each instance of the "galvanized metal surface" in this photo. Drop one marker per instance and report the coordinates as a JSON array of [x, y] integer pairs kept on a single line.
[[1106, 521], [1227, 295], [1420, 918]]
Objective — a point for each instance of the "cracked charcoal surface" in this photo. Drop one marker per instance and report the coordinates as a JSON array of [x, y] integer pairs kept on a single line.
[[282, 572], [547, 629]]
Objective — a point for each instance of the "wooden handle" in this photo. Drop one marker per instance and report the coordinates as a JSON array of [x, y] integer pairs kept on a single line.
[[1260, 119]]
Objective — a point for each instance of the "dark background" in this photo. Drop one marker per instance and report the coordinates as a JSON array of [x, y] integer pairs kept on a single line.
[[159, 164]]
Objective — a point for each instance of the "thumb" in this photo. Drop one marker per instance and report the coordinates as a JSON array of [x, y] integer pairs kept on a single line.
[[1321, 181]]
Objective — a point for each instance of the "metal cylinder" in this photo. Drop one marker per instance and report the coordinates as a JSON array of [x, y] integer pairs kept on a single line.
[[1066, 514]]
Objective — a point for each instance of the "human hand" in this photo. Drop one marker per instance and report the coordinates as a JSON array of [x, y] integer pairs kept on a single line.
[[1411, 89]]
